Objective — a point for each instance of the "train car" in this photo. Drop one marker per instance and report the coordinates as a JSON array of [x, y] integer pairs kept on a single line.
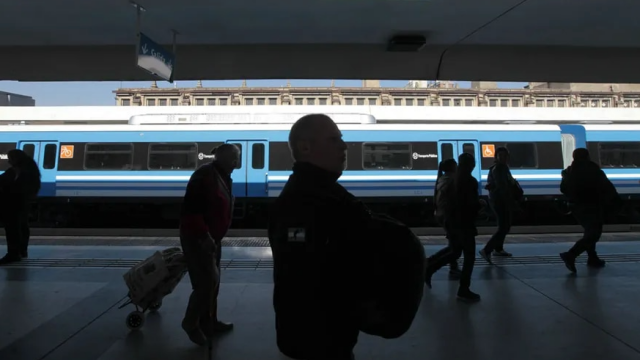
[[135, 175], [616, 148]]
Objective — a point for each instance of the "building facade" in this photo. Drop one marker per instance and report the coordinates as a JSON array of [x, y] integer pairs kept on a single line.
[[416, 93], [11, 99]]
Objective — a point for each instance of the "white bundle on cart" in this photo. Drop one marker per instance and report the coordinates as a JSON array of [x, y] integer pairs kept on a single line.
[[151, 280]]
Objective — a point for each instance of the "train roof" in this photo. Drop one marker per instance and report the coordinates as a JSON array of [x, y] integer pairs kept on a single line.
[[381, 114], [281, 127]]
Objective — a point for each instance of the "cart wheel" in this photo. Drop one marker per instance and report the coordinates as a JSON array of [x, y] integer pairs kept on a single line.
[[155, 306], [135, 320]]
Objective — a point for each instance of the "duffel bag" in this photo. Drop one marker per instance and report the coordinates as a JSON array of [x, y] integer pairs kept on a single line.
[[393, 278]]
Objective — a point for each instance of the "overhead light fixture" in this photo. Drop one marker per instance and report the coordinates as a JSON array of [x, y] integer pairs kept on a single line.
[[406, 43]]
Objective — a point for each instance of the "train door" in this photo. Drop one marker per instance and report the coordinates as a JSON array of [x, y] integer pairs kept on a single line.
[[45, 153], [451, 149], [250, 178]]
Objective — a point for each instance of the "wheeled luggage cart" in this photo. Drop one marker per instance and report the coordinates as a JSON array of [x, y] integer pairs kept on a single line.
[[150, 281]]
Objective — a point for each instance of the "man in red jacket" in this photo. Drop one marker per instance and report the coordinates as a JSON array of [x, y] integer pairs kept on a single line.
[[206, 215]]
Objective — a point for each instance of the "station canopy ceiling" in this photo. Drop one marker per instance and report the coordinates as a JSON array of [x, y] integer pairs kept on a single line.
[[493, 40]]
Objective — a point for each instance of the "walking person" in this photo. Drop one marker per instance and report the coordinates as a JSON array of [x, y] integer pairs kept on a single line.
[[591, 195], [504, 192], [19, 185], [205, 218], [460, 218], [442, 198]]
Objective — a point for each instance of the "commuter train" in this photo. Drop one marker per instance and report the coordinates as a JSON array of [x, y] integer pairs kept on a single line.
[[134, 175]]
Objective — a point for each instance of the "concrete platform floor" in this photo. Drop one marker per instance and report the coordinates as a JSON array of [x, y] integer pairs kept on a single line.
[[532, 308]]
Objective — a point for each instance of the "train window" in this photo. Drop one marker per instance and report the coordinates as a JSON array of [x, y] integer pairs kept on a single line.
[[50, 154], [257, 156], [619, 154], [111, 156], [164, 156], [29, 149], [446, 151], [239, 166], [522, 155], [469, 148], [386, 156]]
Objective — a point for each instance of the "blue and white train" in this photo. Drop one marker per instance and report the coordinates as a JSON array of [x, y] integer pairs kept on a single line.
[[134, 175]]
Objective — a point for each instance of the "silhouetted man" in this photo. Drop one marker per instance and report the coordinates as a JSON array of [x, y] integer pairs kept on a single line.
[[206, 215], [504, 192], [313, 233], [590, 194]]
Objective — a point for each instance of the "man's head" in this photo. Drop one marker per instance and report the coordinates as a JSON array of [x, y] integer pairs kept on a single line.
[[502, 155], [317, 140], [581, 154], [226, 157]]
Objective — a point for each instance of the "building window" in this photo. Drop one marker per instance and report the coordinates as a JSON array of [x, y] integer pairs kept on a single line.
[[299, 102], [551, 103], [522, 155], [397, 102], [248, 101], [174, 102], [311, 101], [348, 101], [125, 102], [539, 103], [446, 102], [360, 101], [493, 103], [619, 154], [457, 102], [273, 101], [606, 103], [468, 102], [108, 156], [323, 101], [211, 101], [409, 102], [504, 102], [224, 102], [151, 102], [562, 103], [386, 156], [172, 156], [595, 103], [200, 102], [515, 103], [162, 102], [421, 102], [373, 101], [261, 101]]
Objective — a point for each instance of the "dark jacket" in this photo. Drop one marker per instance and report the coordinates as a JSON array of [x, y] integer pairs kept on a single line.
[[208, 204], [467, 205], [314, 235], [17, 190], [585, 184]]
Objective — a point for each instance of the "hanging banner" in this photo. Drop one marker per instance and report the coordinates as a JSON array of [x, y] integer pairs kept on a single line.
[[154, 58]]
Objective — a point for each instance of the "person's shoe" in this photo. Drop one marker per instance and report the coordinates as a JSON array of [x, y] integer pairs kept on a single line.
[[9, 259], [595, 262], [501, 253], [569, 261], [468, 295], [220, 326], [195, 335], [486, 256]]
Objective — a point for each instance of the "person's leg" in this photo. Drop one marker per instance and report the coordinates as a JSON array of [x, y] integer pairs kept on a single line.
[[591, 221], [201, 277], [218, 325], [25, 234], [12, 236], [468, 243]]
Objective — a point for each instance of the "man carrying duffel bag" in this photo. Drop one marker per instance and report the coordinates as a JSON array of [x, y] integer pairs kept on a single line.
[[330, 280]]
